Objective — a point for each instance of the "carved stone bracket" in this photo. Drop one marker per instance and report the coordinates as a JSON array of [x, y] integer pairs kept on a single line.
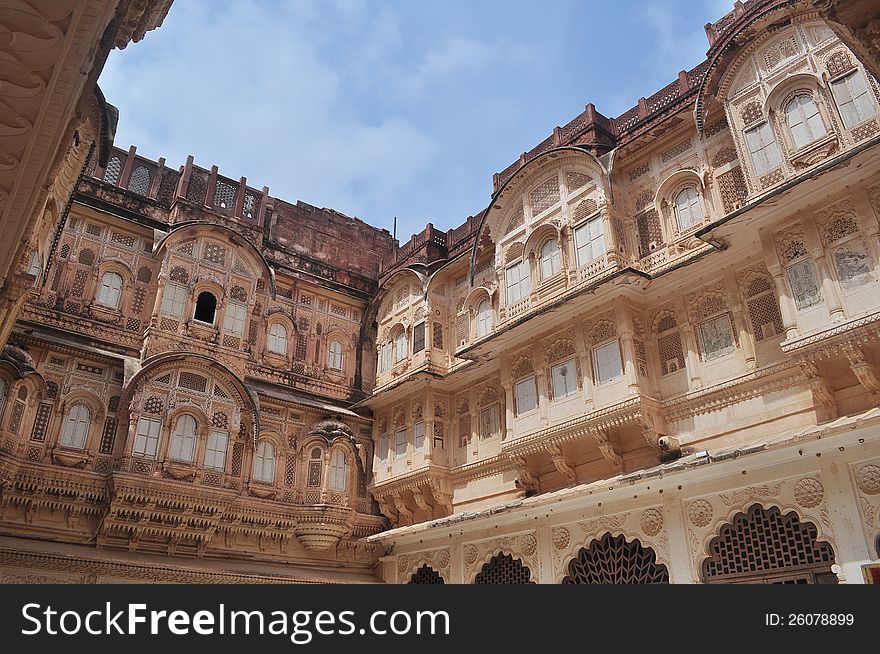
[[525, 479], [609, 451], [561, 465]]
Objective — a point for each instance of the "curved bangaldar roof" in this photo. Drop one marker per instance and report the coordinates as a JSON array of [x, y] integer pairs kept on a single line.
[[183, 230], [753, 20], [514, 187]]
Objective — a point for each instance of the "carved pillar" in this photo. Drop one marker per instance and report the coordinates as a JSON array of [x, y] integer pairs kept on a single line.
[[827, 281], [525, 479], [428, 417], [744, 336], [628, 351], [868, 221], [786, 302], [689, 341], [561, 465], [543, 396], [608, 450]]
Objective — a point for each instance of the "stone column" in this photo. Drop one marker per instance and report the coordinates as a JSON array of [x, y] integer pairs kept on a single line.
[[628, 352], [428, 417], [739, 321], [689, 342], [826, 280], [841, 500], [681, 569], [545, 554]]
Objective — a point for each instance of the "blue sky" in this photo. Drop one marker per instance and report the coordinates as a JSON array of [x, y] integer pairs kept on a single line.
[[388, 108]]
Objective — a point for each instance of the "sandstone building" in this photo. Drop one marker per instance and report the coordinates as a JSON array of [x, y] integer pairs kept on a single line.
[[652, 358]]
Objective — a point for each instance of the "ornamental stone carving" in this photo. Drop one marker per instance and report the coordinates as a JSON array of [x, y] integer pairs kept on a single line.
[[700, 513], [561, 538], [808, 492], [652, 522], [868, 479]]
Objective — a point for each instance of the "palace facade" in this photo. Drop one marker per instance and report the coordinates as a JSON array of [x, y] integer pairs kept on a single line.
[[653, 358]]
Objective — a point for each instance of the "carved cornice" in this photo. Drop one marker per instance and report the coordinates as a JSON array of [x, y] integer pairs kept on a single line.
[[865, 329]]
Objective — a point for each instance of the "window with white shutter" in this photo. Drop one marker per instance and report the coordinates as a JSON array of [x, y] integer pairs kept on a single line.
[[853, 99], [564, 380], [76, 427], [526, 394], [803, 284], [589, 241], [607, 360], [762, 148]]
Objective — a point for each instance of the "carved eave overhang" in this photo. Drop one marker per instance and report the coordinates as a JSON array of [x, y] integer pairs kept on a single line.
[[120, 203], [804, 188], [611, 283], [405, 383], [733, 391], [847, 341], [284, 394], [862, 330], [776, 451], [34, 485], [140, 17], [410, 480], [634, 410]]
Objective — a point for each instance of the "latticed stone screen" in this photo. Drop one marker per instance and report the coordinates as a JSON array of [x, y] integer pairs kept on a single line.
[[314, 473], [649, 231], [426, 575], [764, 310], [108, 435], [733, 189], [41, 422], [613, 560], [671, 353], [504, 569], [224, 194], [111, 173], [192, 381], [545, 195], [139, 182], [764, 541]]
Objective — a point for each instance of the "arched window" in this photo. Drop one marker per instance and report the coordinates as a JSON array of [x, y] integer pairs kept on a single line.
[[504, 569], [206, 307], [338, 470], [767, 546], [426, 575], [264, 462], [613, 560], [400, 347], [804, 121], [2, 398], [484, 318], [688, 208], [76, 427], [110, 290], [277, 338], [550, 264], [334, 355], [183, 440], [111, 173]]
